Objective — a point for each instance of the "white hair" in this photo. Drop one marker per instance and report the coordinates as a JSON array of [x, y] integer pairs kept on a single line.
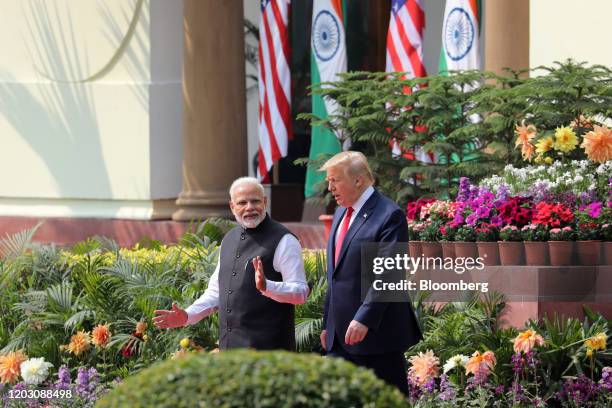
[[245, 181]]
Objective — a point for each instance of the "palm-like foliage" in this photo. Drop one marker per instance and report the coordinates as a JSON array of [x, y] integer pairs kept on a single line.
[[309, 316]]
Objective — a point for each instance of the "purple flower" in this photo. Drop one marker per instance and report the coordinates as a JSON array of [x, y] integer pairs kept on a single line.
[[471, 219], [447, 391], [606, 379], [496, 221], [594, 209], [430, 385], [464, 189], [483, 212], [578, 391], [500, 389]]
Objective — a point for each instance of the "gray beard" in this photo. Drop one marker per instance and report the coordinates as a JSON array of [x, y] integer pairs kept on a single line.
[[251, 223]]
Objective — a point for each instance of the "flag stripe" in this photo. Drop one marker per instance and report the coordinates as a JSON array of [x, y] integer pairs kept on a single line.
[[413, 55], [274, 85], [280, 110], [417, 16]]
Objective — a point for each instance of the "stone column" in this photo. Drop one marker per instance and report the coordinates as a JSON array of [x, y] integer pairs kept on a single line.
[[214, 118], [506, 31]]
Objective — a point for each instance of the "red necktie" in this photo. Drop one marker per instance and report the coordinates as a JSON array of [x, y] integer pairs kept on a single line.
[[343, 229]]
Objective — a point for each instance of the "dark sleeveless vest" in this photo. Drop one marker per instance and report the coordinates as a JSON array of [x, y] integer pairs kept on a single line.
[[248, 319]]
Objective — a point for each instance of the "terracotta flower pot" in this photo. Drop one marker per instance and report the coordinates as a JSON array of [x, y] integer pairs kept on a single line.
[[588, 252], [415, 249], [561, 252], [607, 253], [431, 249], [536, 253], [511, 253], [489, 252], [466, 250], [448, 249]]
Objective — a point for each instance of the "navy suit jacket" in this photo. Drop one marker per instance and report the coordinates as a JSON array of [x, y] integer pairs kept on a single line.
[[392, 326]]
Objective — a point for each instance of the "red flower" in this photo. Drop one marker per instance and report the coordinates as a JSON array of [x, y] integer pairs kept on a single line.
[[413, 210], [130, 347]]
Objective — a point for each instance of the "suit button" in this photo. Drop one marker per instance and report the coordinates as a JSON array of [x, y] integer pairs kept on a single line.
[[229, 329], [233, 273], [237, 255], [242, 236], [229, 310], [230, 291]]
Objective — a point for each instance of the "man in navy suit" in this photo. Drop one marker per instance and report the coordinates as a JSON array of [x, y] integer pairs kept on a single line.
[[369, 333]]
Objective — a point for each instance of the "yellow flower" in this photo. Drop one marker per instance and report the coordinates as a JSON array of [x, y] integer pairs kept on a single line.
[[597, 144], [9, 366], [185, 342], [100, 335], [565, 139], [548, 160], [538, 159], [589, 353], [79, 343], [597, 342], [423, 367], [527, 340], [544, 145], [481, 364]]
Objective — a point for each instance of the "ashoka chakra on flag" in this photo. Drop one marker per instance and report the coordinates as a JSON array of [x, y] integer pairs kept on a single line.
[[326, 35], [458, 34]]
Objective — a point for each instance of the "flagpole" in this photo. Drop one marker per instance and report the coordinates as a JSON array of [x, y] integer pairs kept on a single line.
[[275, 173]]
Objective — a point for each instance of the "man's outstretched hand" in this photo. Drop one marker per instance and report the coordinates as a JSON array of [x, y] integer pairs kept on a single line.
[[170, 319], [260, 278]]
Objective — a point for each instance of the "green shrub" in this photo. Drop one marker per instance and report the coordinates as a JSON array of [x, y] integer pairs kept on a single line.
[[245, 378]]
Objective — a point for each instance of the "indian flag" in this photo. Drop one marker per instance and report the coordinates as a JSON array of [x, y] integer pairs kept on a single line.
[[460, 36], [327, 59], [460, 47]]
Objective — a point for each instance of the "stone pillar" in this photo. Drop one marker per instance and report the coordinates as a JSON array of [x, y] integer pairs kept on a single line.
[[214, 118], [506, 31]]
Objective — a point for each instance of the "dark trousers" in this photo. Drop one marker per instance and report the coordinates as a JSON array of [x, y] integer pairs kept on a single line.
[[389, 367]]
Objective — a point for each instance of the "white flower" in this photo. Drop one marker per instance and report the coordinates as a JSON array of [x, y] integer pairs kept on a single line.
[[35, 370], [458, 360]]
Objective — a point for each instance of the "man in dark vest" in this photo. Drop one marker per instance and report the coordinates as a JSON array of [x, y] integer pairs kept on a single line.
[[258, 279]]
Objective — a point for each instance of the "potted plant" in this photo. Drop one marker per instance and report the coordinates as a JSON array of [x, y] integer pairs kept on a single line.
[[588, 234], [414, 238], [561, 246], [510, 246], [535, 237], [448, 234], [430, 236], [465, 242], [486, 243]]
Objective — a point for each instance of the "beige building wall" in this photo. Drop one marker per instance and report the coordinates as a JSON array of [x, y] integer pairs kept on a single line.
[[561, 29], [90, 106]]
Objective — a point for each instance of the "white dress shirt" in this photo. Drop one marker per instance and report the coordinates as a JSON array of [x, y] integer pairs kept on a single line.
[[293, 288], [356, 208]]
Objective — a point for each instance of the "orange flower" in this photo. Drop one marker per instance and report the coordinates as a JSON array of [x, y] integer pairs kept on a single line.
[[423, 367], [100, 335], [597, 144], [524, 136], [481, 364], [79, 343], [597, 342], [526, 340], [9, 366], [141, 327]]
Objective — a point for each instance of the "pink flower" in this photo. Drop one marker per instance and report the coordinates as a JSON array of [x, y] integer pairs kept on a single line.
[[424, 366]]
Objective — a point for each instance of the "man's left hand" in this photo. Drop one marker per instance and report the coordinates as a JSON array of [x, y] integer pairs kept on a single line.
[[260, 278], [355, 333]]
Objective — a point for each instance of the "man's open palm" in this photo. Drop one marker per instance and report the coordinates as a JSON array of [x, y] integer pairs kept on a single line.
[[169, 319], [260, 278]]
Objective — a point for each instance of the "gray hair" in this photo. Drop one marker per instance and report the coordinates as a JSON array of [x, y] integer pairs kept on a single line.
[[245, 181]]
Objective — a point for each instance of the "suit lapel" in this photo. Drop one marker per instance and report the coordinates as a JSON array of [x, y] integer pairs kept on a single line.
[[363, 215]]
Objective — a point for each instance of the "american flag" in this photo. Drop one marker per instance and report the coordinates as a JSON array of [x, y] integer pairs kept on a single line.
[[405, 38], [405, 51], [274, 84]]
